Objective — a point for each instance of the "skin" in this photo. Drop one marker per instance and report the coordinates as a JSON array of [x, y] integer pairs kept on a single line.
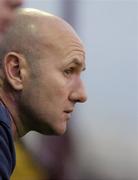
[[7, 13], [41, 94]]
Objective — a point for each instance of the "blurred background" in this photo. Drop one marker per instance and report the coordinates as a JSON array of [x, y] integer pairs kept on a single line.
[[101, 142]]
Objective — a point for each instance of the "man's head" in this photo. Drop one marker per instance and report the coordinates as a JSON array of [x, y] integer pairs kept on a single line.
[[41, 62], [7, 13]]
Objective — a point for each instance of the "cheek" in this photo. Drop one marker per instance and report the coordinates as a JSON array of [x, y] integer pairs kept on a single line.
[[57, 88], [56, 93], [47, 91]]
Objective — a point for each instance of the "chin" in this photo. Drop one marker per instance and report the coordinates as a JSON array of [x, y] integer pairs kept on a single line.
[[57, 132], [61, 132], [52, 131], [58, 129]]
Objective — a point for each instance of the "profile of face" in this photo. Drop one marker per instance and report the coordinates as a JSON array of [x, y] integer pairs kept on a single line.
[[49, 96], [47, 86], [7, 12]]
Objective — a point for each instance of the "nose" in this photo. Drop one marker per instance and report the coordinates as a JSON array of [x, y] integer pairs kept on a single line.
[[78, 94]]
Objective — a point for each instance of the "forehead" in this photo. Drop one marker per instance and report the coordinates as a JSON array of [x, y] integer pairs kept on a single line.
[[67, 50], [63, 42], [60, 39], [74, 53]]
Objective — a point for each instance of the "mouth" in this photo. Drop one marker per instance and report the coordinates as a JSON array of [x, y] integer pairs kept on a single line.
[[68, 113]]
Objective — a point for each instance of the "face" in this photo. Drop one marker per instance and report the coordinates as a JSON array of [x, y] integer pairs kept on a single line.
[[49, 97], [7, 12]]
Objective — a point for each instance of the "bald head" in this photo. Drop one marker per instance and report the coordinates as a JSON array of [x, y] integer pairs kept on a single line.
[[44, 92], [30, 28]]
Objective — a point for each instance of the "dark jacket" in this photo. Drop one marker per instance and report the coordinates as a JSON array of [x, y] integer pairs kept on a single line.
[[7, 151]]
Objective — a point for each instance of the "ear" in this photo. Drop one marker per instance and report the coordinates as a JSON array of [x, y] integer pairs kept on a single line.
[[13, 67]]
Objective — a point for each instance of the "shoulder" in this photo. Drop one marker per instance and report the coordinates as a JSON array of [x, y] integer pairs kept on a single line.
[[7, 153]]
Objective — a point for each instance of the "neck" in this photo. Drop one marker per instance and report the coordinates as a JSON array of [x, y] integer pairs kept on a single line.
[[9, 101]]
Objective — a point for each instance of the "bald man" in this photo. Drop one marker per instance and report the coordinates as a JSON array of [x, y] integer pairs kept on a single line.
[[7, 13], [41, 61]]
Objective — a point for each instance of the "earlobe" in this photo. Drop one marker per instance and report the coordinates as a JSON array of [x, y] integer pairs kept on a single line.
[[12, 62]]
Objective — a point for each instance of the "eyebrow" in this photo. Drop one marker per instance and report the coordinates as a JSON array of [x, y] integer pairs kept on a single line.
[[78, 63]]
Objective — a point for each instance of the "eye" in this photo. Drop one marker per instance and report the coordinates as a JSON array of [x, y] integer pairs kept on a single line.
[[69, 71]]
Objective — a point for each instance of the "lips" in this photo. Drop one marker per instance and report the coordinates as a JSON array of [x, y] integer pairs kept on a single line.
[[68, 113]]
